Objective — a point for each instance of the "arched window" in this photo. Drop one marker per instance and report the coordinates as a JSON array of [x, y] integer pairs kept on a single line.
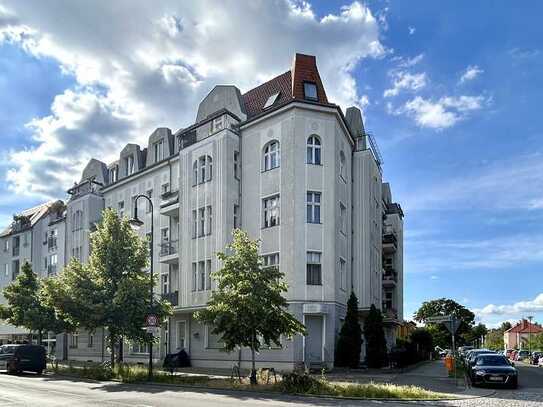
[[313, 150], [272, 155], [202, 170], [342, 164]]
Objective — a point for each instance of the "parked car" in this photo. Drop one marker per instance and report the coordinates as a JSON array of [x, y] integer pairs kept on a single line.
[[463, 350], [494, 369], [19, 358], [540, 361], [470, 361], [513, 355], [508, 353], [534, 359], [522, 354]]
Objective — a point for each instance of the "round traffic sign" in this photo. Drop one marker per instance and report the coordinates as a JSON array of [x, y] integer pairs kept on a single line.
[[151, 320]]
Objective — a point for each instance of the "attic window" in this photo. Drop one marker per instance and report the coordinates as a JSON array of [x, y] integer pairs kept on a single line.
[[310, 91], [271, 100]]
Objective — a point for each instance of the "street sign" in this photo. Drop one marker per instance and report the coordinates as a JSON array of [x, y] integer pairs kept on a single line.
[[151, 320], [452, 325], [439, 319], [153, 330]]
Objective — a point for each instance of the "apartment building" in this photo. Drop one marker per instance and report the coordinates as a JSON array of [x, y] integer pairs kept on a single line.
[[281, 162], [36, 236]]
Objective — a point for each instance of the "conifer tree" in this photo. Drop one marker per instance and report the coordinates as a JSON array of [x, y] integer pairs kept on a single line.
[[350, 337], [376, 347]]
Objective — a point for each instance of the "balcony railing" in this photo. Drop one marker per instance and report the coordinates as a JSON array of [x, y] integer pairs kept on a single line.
[[171, 297], [390, 238], [52, 243], [389, 276], [391, 313], [168, 248]]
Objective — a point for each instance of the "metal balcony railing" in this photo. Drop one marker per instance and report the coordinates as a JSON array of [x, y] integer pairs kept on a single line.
[[52, 243], [172, 297], [390, 276], [168, 248]]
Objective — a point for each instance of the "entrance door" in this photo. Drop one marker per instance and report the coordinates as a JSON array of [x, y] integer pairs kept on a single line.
[[313, 340], [181, 335]]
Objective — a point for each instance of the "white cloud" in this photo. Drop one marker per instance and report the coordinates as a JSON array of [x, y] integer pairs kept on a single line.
[[141, 66], [412, 30], [443, 113], [520, 308], [471, 72], [405, 80]]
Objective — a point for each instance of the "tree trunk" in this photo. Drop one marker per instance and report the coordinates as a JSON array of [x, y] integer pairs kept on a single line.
[[112, 346], [253, 365]]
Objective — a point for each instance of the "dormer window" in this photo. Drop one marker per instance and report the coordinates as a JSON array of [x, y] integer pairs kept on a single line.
[[271, 100], [158, 149], [129, 161], [310, 91], [113, 174]]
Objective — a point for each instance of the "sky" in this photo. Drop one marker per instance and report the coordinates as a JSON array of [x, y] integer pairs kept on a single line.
[[451, 92]]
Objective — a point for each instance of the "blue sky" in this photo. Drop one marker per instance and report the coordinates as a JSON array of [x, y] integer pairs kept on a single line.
[[451, 91]]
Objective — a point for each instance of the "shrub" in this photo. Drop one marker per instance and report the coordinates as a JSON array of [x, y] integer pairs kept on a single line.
[[300, 383], [376, 348], [350, 337]]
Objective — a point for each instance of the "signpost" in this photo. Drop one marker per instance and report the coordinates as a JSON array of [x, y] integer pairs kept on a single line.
[[452, 324], [151, 320]]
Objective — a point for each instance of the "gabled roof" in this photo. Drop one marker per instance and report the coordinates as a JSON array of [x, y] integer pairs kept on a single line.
[[525, 326], [34, 214]]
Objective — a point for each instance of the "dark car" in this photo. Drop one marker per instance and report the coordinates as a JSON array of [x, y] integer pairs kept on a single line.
[[472, 355], [494, 369], [19, 358]]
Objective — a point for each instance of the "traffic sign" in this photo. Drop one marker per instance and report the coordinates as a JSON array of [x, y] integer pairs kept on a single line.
[[452, 325], [153, 330], [439, 319], [151, 320]]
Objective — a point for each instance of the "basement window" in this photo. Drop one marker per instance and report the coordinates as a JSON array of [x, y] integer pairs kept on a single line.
[[271, 100], [310, 91]]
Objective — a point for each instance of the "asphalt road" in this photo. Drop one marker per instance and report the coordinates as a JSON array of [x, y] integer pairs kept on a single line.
[[45, 391]]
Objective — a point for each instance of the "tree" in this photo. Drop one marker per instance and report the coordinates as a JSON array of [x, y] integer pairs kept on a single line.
[[376, 347], [27, 307], [494, 339], [506, 326], [111, 290], [350, 337], [248, 308], [444, 307], [477, 332]]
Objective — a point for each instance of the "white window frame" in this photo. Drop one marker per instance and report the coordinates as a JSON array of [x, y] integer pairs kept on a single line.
[[314, 150], [313, 207], [272, 155], [158, 150], [183, 323], [312, 260], [271, 213], [271, 260]]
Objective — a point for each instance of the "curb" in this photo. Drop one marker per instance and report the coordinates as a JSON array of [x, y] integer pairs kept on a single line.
[[271, 393]]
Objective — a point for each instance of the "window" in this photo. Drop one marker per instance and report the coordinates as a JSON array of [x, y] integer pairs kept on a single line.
[[164, 283], [313, 207], [209, 220], [194, 276], [310, 91], [236, 217], [342, 274], [271, 211], [165, 188], [164, 235], [236, 164], [90, 342], [201, 276], [52, 267], [343, 218], [194, 224], [6, 245], [202, 170], [158, 149], [181, 335], [147, 203], [214, 341], [6, 269], [208, 274], [113, 174], [120, 208], [271, 100], [342, 165], [77, 220], [272, 156], [139, 347], [269, 260], [129, 161], [201, 222], [314, 273], [314, 150], [74, 340]]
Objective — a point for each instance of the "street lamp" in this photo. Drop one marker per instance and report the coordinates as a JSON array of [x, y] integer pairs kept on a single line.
[[530, 335], [136, 223]]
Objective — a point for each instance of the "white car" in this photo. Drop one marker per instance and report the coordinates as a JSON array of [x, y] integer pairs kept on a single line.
[[540, 362]]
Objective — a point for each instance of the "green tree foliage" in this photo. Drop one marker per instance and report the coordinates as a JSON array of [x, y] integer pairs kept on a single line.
[[443, 307], [475, 334], [422, 341], [350, 337], [111, 290], [506, 326], [27, 307], [376, 348], [494, 339], [248, 308]]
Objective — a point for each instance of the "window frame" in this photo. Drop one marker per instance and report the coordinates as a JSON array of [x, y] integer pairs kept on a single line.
[[308, 84], [271, 158], [267, 219], [313, 208], [314, 150], [313, 269]]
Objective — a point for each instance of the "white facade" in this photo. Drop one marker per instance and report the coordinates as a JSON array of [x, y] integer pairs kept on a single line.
[[294, 172]]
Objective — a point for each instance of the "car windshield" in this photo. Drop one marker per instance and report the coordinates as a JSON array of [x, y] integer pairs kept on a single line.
[[492, 360]]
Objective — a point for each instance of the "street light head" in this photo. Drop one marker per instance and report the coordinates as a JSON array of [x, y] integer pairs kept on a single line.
[[135, 223]]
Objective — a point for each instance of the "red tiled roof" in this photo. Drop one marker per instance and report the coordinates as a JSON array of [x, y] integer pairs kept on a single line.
[[290, 85], [525, 327]]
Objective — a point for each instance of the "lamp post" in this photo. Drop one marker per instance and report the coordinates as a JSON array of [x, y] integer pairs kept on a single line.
[[137, 223], [530, 335]]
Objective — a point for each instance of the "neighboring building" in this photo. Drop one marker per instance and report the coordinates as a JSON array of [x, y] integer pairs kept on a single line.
[[405, 329], [287, 166], [517, 336], [36, 236]]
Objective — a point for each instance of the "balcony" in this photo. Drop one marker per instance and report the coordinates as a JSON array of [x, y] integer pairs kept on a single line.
[[390, 241], [51, 269], [171, 297], [52, 243], [169, 205], [169, 252], [390, 278], [390, 314]]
